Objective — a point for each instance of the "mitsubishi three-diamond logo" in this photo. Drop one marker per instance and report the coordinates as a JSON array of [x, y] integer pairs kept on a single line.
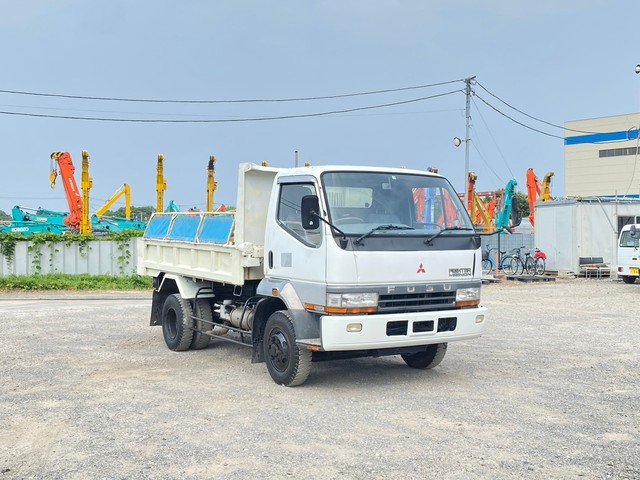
[[421, 269]]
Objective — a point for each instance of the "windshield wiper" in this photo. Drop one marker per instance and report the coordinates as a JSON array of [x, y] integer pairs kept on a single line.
[[453, 229], [389, 226]]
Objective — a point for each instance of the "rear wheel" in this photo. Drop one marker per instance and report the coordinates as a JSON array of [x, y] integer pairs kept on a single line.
[[202, 310], [628, 279], [177, 323], [430, 358], [541, 266], [288, 364]]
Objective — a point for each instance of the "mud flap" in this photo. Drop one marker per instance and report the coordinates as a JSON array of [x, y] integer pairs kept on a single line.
[[157, 302]]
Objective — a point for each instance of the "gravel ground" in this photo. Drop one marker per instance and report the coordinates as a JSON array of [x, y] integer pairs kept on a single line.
[[88, 390]]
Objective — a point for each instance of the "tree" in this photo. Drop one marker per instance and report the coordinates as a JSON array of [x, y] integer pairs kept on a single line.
[[137, 213], [523, 203]]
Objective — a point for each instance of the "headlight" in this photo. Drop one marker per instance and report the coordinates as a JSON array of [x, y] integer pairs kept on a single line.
[[468, 297], [352, 300], [465, 294]]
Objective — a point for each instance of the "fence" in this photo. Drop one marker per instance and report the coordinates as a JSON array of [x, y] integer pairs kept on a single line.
[[508, 242], [106, 257], [118, 257]]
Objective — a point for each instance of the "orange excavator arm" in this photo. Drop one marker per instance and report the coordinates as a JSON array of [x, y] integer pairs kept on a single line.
[[533, 192], [62, 164]]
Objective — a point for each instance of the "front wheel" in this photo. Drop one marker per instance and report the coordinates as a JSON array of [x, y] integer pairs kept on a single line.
[[487, 266], [530, 266], [430, 358], [628, 279], [288, 364], [510, 265]]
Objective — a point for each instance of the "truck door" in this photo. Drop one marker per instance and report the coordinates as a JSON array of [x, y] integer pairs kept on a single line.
[[291, 252]]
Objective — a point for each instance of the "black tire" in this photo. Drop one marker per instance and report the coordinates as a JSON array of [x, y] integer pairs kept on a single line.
[[628, 279], [177, 323], [487, 266], [201, 310], [430, 358], [530, 266], [288, 364], [541, 266], [510, 265]]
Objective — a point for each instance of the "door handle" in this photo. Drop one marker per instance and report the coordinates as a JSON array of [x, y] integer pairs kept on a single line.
[[270, 259]]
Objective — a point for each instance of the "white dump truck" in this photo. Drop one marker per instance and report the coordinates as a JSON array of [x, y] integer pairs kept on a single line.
[[320, 263], [629, 253]]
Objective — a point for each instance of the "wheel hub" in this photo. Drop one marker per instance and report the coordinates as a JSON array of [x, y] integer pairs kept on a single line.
[[278, 350]]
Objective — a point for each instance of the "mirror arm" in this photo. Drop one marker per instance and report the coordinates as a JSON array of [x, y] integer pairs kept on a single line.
[[344, 235], [489, 234]]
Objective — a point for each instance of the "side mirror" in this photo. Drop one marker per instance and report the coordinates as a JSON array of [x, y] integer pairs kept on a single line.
[[309, 211], [633, 230]]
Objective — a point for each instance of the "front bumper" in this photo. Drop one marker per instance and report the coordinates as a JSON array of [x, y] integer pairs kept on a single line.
[[627, 270], [375, 329]]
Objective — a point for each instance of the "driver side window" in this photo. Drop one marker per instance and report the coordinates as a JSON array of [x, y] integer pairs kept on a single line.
[[289, 213]]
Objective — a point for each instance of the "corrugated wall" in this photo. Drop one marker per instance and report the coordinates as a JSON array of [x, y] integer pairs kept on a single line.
[[95, 257]]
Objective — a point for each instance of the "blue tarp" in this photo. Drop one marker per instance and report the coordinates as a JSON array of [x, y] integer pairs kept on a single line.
[[184, 228], [158, 226], [216, 229]]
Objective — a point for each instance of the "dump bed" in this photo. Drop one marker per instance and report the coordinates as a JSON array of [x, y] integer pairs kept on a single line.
[[225, 247]]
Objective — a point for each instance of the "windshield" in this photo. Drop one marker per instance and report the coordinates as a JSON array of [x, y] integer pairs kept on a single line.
[[419, 204], [626, 240]]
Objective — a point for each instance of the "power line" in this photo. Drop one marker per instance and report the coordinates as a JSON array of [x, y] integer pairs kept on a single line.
[[253, 100], [123, 112], [516, 121], [498, 177], [528, 115], [492, 137], [231, 120]]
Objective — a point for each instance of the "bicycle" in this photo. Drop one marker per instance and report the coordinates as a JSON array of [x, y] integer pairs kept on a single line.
[[540, 259], [506, 262], [487, 263], [532, 264], [516, 263]]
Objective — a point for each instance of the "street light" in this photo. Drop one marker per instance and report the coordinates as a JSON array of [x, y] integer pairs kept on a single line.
[[457, 141], [638, 68]]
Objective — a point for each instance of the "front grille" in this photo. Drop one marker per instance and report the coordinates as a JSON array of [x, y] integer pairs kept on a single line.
[[416, 302]]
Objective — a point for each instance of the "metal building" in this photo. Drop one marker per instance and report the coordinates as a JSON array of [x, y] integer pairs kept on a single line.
[[570, 229], [601, 156]]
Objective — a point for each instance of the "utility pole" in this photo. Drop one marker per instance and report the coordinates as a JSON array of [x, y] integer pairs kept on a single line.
[[467, 92], [296, 159]]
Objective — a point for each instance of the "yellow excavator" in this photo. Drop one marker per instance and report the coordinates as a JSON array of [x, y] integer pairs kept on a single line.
[[537, 190]]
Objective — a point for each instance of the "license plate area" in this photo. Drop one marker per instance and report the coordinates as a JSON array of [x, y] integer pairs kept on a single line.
[[634, 271]]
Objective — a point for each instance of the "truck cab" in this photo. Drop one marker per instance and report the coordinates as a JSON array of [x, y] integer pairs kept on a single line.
[[325, 263], [628, 254]]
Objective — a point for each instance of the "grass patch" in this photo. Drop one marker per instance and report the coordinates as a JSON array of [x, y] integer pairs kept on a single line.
[[74, 282]]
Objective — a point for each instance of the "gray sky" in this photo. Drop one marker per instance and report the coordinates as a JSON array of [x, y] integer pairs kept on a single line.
[[556, 60]]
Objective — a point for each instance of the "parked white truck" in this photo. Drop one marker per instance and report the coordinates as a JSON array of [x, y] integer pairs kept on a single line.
[[628, 253], [320, 263]]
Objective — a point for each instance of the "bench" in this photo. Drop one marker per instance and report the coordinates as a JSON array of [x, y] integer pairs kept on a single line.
[[590, 266]]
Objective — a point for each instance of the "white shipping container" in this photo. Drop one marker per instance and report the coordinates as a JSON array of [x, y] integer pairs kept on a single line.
[[569, 229]]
